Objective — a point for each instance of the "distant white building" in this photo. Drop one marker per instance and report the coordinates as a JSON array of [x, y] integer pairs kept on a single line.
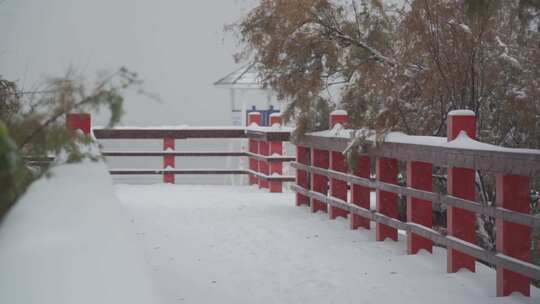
[[246, 83]]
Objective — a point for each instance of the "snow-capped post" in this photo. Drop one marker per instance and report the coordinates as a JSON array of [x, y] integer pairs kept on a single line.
[[387, 172], [168, 160], [419, 176], [338, 188], [361, 195], [276, 149], [79, 121], [254, 118], [513, 239], [338, 117], [461, 184], [303, 156], [320, 159]]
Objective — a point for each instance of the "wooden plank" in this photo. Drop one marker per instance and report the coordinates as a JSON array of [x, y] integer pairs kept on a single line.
[[337, 144], [176, 171], [502, 162], [507, 215], [170, 133], [273, 178], [277, 178], [512, 163], [268, 135], [196, 154], [271, 158], [172, 153]]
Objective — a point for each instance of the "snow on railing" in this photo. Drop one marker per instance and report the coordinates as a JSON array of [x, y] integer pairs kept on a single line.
[[67, 240], [323, 180], [268, 156]]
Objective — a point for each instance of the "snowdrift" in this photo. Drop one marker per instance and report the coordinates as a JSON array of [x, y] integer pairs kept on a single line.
[[68, 241]]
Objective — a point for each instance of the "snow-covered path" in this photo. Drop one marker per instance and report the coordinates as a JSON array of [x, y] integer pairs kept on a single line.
[[222, 244]]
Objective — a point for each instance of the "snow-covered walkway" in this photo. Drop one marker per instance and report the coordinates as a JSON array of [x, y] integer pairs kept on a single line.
[[222, 244]]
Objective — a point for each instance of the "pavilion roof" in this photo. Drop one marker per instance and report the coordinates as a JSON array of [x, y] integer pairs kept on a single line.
[[246, 77]]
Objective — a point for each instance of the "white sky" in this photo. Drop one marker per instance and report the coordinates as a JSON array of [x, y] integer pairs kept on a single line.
[[177, 46]]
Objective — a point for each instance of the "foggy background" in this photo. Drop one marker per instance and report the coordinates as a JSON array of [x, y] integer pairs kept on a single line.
[[178, 47]]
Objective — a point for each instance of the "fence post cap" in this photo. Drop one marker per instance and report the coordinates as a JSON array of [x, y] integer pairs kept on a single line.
[[461, 113], [461, 120], [339, 113], [338, 117], [275, 119]]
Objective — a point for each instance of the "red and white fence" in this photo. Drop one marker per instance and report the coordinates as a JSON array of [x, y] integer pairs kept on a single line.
[[323, 180], [268, 156], [325, 183]]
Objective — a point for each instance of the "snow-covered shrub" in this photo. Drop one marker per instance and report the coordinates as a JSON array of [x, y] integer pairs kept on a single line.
[[11, 170], [32, 125]]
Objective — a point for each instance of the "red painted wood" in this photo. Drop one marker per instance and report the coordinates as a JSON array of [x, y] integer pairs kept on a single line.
[[461, 183], [181, 133], [276, 167], [338, 188], [303, 156], [457, 123], [513, 239], [387, 171], [275, 119], [169, 161], [419, 176], [320, 159], [254, 118], [253, 163], [79, 121], [264, 168], [338, 119], [360, 194], [276, 148]]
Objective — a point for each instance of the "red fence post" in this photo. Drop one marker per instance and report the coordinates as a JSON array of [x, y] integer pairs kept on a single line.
[[320, 159], [79, 121], [461, 183], [419, 176], [303, 156], [168, 160], [264, 149], [513, 239], [361, 196], [338, 188], [276, 149], [387, 171], [253, 118]]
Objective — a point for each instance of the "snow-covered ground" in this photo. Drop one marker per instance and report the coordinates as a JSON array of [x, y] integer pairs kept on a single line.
[[71, 240], [68, 241], [223, 244]]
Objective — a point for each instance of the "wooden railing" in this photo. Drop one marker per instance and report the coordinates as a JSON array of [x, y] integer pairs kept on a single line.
[[323, 182], [269, 136]]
